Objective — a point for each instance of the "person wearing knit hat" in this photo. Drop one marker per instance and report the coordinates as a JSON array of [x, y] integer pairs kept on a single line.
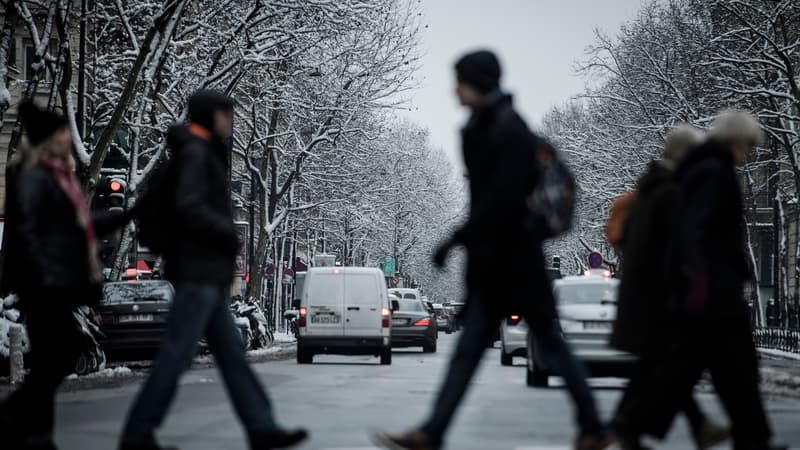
[[51, 263], [502, 161], [708, 267], [199, 260]]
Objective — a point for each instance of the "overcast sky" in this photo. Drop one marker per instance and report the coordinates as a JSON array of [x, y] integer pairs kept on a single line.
[[538, 42]]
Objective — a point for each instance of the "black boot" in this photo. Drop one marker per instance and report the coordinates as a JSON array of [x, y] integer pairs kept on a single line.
[[278, 438]]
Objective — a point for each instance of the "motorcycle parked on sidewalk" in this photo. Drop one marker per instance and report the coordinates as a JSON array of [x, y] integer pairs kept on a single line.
[[92, 357], [291, 317], [253, 323]]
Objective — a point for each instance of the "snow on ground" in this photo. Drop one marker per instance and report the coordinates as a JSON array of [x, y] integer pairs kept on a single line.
[[780, 354], [285, 338], [120, 371]]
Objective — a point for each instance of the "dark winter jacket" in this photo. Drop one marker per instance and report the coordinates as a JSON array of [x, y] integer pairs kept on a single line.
[[503, 246], [644, 292], [206, 240], [45, 248], [709, 229]]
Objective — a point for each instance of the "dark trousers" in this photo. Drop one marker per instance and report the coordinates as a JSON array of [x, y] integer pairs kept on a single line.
[[659, 423], [199, 309], [722, 343], [55, 346], [479, 327]]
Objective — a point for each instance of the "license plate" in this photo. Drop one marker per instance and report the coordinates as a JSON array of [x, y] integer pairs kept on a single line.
[[603, 326], [136, 318], [400, 322], [325, 319]]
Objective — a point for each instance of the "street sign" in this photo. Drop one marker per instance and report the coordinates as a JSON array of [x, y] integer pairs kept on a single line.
[[388, 266], [595, 260]]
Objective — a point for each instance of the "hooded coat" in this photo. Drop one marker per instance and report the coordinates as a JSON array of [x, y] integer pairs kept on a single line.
[[709, 228], [645, 292]]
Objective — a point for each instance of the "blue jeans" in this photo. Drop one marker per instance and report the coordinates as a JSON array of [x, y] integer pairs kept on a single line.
[[479, 328], [199, 309]]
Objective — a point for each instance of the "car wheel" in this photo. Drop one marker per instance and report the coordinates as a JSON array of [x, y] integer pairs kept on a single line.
[[536, 377], [448, 330], [304, 356], [386, 356], [429, 347], [506, 359]]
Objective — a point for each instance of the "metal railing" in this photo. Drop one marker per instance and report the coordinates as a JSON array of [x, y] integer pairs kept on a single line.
[[787, 340]]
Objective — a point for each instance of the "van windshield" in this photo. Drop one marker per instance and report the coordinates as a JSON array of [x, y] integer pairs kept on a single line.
[[587, 294], [410, 306], [325, 289], [411, 296]]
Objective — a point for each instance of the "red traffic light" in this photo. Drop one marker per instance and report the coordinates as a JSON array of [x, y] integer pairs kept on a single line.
[[115, 186]]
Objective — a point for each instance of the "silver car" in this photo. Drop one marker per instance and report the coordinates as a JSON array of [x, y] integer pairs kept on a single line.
[[587, 308]]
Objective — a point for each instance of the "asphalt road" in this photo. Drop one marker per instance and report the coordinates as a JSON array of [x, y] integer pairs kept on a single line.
[[340, 398]]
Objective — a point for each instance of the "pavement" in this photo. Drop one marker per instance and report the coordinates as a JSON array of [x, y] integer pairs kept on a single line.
[[340, 398]]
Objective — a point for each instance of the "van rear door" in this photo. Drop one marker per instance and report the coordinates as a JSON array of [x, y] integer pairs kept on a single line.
[[363, 293], [325, 302]]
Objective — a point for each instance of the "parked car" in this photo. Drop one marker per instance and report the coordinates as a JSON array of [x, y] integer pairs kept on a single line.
[[587, 307], [513, 339], [133, 316], [457, 308], [412, 324], [344, 310], [443, 319]]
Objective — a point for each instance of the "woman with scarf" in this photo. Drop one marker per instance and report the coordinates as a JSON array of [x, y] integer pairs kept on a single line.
[[51, 263]]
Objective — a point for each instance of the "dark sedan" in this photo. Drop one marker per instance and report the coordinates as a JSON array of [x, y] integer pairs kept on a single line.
[[413, 325], [134, 317]]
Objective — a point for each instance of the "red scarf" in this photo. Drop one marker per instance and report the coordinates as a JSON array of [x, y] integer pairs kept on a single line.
[[64, 175]]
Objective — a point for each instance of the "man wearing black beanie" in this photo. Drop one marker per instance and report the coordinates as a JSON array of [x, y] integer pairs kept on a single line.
[[501, 159]]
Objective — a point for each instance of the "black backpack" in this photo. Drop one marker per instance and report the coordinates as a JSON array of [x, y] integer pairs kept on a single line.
[[552, 201], [155, 222]]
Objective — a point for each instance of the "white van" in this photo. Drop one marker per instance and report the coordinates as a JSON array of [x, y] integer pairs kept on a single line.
[[345, 311]]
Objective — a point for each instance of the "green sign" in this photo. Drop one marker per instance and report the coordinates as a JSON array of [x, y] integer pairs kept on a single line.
[[388, 266]]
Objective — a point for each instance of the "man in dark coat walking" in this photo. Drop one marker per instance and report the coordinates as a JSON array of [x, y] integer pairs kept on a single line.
[[500, 155], [708, 268], [200, 263], [644, 293]]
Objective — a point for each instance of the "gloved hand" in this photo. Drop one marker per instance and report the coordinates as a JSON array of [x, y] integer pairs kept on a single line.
[[697, 295], [440, 256]]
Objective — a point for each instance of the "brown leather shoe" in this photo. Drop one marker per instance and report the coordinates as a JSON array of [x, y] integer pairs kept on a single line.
[[412, 440]]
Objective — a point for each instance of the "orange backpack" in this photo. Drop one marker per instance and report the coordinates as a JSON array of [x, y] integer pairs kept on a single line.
[[618, 216]]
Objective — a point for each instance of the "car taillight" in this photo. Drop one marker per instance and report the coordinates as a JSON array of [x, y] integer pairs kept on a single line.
[[422, 323], [301, 322], [385, 314], [513, 320]]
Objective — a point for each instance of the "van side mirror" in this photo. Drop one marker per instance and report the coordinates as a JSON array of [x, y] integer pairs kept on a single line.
[[395, 305], [296, 304]]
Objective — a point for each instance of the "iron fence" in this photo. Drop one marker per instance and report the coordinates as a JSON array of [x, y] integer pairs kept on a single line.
[[787, 340]]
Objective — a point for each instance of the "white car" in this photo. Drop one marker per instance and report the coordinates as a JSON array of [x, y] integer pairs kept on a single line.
[[346, 311], [513, 339], [587, 308]]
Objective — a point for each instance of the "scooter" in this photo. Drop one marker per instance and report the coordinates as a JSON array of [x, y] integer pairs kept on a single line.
[[250, 313], [291, 316], [92, 357]]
